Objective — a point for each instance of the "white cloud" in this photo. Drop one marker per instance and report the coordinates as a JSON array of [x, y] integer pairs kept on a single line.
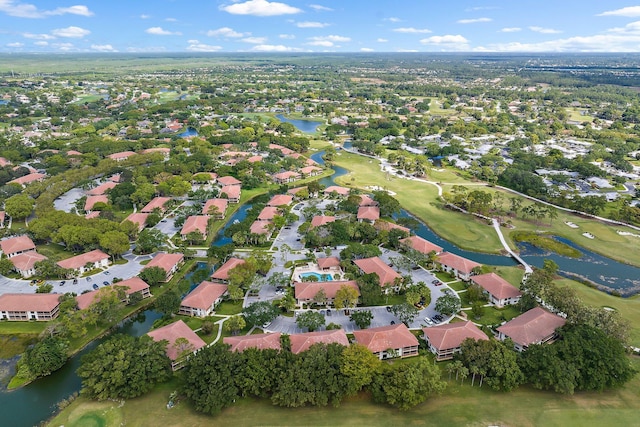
[[145, 16], [287, 36], [310, 24], [447, 42], [226, 32], [16, 44], [474, 21], [331, 38], [273, 48], [411, 30], [407, 50], [41, 43], [159, 31], [170, 19], [382, 40], [510, 30], [103, 48], [543, 30], [65, 47], [71, 32], [260, 8], [475, 9], [393, 19], [320, 8], [629, 12], [254, 40], [38, 36], [26, 10], [323, 43], [147, 49], [196, 46], [366, 49]]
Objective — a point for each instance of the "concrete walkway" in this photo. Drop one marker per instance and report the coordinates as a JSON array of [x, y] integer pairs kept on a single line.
[[527, 268]]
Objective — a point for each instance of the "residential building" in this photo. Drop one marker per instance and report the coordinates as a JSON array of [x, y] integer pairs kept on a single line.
[[336, 190], [286, 177], [101, 189], [280, 200], [456, 265], [305, 292], [536, 326], [387, 275], [499, 291], [17, 245], [121, 156], [261, 227], [308, 171], [367, 201], [233, 193], [25, 263], [170, 334], [91, 201], [229, 181], [388, 342], [157, 202], [131, 286], [444, 340], [202, 301], [221, 275], [85, 262], [327, 263], [28, 179], [197, 224], [421, 245], [368, 213], [302, 342], [216, 208], [40, 307], [259, 341], [382, 225], [139, 219], [320, 220], [170, 263], [268, 213]]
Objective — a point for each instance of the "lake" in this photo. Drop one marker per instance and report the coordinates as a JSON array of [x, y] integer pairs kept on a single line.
[[306, 126], [189, 132]]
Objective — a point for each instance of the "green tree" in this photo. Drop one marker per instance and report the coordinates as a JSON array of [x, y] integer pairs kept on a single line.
[[168, 303], [115, 243], [6, 266], [259, 313], [408, 384], [362, 318], [388, 204], [149, 240], [124, 367], [46, 356], [359, 366], [494, 360], [48, 269], [153, 275], [209, 379], [406, 313], [346, 297], [312, 320], [448, 303], [234, 324], [19, 206]]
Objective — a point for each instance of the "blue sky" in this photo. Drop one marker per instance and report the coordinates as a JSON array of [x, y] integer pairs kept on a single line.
[[319, 26]]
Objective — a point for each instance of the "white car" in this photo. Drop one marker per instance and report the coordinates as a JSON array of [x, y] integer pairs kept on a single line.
[[429, 321]]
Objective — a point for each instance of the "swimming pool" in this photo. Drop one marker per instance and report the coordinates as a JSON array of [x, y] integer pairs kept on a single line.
[[320, 276]]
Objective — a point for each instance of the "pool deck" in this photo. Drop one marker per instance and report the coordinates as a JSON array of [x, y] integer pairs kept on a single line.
[[313, 268]]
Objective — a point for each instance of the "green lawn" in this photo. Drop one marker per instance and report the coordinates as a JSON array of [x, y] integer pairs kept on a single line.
[[228, 308], [444, 276], [459, 405], [458, 286], [12, 345], [54, 251], [494, 316]]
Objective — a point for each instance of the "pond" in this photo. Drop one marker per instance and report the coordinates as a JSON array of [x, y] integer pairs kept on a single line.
[[34, 403], [306, 126], [187, 133]]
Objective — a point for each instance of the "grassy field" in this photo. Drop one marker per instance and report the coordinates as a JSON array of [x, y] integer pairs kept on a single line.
[[12, 345], [459, 405]]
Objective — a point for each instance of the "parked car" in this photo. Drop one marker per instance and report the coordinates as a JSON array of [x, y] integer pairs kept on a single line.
[[105, 283], [88, 279], [388, 308], [107, 272], [62, 282], [95, 286], [429, 321], [75, 281], [328, 312], [392, 322]]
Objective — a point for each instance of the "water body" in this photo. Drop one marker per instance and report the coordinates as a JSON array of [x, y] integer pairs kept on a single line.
[[3, 102], [306, 126], [238, 216], [189, 132], [34, 403]]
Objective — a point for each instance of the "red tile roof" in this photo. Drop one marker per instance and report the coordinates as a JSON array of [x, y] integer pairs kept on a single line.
[[228, 180], [221, 204], [204, 295], [92, 215], [386, 337], [367, 201], [157, 202], [421, 245], [295, 190], [138, 218], [457, 262], [302, 342], [343, 191], [370, 213], [254, 159], [259, 341], [223, 272], [23, 180], [328, 262], [496, 286], [386, 274], [165, 261], [101, 189], [92, 200], [174, 331], [133, 285], [232, 191], [81, 260], [29, 302], [532, 327], [280, 200], [282, 176], [195, 223], [386, 225], [308, 290], [121, 155], [17, 244], [444, 337], [26, 260], [259, 227], [310, 169], [319, 220], [268, 213]]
